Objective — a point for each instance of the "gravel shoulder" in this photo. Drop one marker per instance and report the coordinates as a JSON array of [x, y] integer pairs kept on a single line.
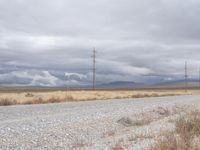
[[91, 124]]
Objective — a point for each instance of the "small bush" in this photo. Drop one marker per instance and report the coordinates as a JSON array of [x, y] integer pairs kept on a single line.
[[188, 126], [54, 100], [155, 95], [39, 101], [137, 96], [118, 146], [187, 129], [29, 95], [7, 102], [126, 121], [173, 142], [166, 143], [35, 101], [163, 111], [29, 102], [69, 98]]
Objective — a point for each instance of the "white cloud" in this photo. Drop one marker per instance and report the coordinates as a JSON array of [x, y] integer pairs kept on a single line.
[[133, 39]]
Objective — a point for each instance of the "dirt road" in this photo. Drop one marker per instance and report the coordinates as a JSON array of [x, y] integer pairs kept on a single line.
[[89, 125]]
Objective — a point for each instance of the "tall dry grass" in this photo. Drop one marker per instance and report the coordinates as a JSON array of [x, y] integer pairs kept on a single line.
[[185, 137], [7, 102], [64, 96]]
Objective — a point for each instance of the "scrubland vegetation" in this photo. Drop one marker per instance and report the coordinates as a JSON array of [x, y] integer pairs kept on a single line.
[[13, 98], [186, 135]]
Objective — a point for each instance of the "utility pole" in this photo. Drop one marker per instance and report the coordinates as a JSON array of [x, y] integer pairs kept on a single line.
[[199, 78], [68, 87], [186, 77], [94, 69]]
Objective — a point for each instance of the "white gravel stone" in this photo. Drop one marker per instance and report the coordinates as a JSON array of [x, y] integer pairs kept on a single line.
[[84, 125]]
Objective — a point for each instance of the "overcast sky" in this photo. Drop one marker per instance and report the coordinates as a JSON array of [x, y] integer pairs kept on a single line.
[[50, 42]]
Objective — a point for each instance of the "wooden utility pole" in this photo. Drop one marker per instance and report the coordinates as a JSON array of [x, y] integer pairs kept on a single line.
[[94, 69], [199, 77], [186, 77]]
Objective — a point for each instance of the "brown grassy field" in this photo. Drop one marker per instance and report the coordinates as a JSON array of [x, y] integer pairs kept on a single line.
[[13, 97]]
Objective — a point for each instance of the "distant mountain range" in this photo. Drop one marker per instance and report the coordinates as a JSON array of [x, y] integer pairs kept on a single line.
[[131, 84], [121, 84], [179, 83]]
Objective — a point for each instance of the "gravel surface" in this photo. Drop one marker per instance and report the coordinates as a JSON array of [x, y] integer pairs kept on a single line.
[[87, 125]]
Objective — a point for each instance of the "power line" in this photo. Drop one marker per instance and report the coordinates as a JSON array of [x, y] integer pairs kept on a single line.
[[94, 68]]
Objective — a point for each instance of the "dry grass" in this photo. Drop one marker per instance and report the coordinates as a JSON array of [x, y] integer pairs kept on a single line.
[[186, 135], [163, 111], [145, 118], [167, 143], [13, 98], [7, 102], [127, 122], [109, 134], [119, 145], [29, 95]]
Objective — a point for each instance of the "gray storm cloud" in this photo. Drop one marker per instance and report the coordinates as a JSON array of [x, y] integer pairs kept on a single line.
[[42, 41]]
